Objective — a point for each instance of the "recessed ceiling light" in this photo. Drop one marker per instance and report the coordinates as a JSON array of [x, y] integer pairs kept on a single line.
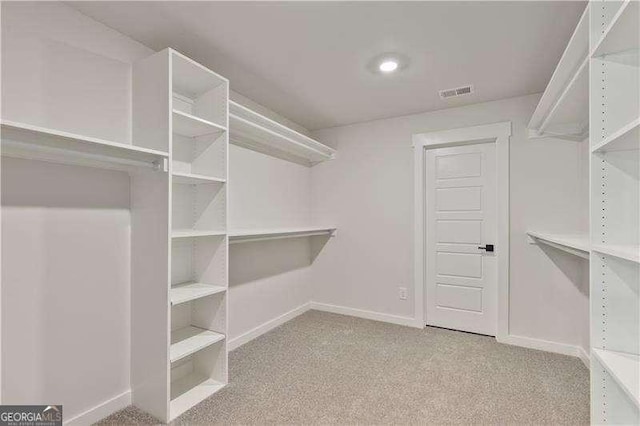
[[388, 65]]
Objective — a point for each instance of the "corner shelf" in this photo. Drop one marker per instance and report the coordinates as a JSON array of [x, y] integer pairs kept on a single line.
[[255, 131], [243, 236], [22, 140], [624, 369], [195, 179], [577, 245], [563, 109], [629, 253], [187, 292], [189, 340], [191, 126]]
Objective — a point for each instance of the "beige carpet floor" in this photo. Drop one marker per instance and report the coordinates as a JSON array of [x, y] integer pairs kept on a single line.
[[324, 368]]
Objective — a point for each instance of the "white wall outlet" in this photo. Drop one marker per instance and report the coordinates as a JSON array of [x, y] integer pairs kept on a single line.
[[402, 293]]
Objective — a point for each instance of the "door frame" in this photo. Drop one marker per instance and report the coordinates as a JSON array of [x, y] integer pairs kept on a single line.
[[500, 134]]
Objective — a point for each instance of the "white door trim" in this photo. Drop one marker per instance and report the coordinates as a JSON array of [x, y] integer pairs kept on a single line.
[[499, 133]]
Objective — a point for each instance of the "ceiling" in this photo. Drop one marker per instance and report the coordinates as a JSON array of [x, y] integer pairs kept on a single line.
[[309, 61]]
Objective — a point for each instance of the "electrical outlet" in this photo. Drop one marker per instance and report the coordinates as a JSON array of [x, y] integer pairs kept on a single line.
[[402, 293]]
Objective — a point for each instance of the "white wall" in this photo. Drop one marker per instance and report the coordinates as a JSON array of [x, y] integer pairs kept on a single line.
[[367, 191], [65, 285], [267, 279]]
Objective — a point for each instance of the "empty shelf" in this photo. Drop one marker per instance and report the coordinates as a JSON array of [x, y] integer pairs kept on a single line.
[[624, 369], [255, 131], [630, 253], [183, 293], [574, 244], [189, 340], [191, 126], [627, 138], [38, 143], [190, 233], [622, 33], [192, 79], [194, 179], [189, 391], [563, 109], [241, 236]]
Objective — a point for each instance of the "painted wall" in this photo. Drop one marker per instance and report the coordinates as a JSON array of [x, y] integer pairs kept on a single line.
[[367, 191], [270, 278]]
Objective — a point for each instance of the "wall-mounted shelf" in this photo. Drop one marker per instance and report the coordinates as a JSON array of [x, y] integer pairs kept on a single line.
[[243, 236], [577, 245], [622, 33], [629, 253], [195, 179], [255, 131], [191, 126], [624, 369], [192, 233], [563, 109], [21, 140], [187, 292], [627, 138]]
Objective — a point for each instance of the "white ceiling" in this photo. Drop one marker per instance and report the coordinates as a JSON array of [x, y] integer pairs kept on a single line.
[[308, 60]]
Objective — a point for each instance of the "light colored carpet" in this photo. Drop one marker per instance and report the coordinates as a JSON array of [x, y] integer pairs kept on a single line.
[[324, 368]]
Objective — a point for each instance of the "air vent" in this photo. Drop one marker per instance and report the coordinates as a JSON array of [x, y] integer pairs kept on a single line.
[[458, 91]]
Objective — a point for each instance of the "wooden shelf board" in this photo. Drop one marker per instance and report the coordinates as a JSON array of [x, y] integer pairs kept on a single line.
[[26, 141], [248, 235], [624, 369], [191, 233], [189, 340], [630, 253], [255, 131], [572, 243], [622, 33], [187, 292], [195, 179], [189, 391], [627, 138], [191, 126]]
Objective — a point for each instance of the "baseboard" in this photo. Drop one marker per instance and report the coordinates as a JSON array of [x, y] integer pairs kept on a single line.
[[371, 315], [100, 411], [584, 357], [236, 342], [543, 345]]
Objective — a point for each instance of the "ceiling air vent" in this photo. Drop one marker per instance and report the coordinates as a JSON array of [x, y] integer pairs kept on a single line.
[[458, 91]]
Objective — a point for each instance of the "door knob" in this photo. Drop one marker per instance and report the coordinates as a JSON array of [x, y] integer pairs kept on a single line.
[[488, 247]]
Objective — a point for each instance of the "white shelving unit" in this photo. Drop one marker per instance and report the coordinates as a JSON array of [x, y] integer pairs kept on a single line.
[[179, 354], [615, 211], [255, 131], [563, 110], [577, 245], [242, 236], [20, 140]]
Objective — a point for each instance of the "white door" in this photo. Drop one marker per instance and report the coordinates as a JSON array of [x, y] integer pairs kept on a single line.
[[461, 274]]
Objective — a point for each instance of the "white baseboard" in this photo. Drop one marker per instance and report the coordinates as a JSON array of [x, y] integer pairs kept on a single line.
[[543, 345], [371, 315], [236, 342], [100, 411], [584, 357]]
